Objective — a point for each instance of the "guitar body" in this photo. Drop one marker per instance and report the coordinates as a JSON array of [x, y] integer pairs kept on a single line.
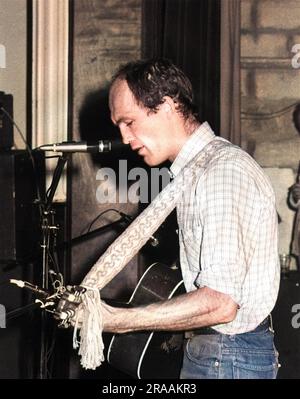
[[150, 354]]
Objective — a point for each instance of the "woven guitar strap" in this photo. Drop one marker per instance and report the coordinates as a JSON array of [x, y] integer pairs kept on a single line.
[[122, 250]]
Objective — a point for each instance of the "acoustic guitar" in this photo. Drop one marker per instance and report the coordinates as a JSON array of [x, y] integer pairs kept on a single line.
[[145, 354]]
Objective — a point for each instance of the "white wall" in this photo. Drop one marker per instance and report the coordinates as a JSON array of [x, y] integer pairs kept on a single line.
[[13, 77]]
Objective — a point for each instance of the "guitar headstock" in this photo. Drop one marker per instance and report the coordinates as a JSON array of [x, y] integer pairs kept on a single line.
[[67, 305]]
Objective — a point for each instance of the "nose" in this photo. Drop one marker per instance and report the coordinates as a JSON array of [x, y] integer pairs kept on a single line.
[[126, 136]]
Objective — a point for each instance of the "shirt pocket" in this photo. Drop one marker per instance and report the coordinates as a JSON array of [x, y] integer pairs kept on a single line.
[[190, 240]]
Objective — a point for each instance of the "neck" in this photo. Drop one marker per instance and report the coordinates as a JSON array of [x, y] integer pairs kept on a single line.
[[190, 126], [186, 130]]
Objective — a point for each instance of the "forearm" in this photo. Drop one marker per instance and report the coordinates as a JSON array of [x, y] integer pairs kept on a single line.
[[202, 307]]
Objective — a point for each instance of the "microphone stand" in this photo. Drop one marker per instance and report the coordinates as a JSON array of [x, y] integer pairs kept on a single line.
[[48, 231], [91, 234], [20, 311], [48, 246]]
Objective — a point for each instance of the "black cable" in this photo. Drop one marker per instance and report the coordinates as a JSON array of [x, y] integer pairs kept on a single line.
[[17, 127], [53, 260], [20, 311], [29, 150], [270, 115], [99, 216], [50, 352]]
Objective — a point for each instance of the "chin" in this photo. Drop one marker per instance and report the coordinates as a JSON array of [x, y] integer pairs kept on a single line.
[[152, 162]]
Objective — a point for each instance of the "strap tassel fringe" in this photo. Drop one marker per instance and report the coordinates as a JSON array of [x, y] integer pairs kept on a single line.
[[91, 344]]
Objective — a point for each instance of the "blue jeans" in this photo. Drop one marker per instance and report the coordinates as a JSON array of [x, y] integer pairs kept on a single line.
[[250, 355]]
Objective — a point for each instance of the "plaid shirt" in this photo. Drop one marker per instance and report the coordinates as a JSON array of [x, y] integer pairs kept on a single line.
[[228, 231]]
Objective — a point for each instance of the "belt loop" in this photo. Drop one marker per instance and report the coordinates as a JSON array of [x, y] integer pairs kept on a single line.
[[188, 334], [271, 323]]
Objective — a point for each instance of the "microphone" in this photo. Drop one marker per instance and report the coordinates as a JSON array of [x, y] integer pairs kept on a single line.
[[84, 146]]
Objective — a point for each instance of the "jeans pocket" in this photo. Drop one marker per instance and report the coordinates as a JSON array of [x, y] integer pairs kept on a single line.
[[202, 358], [256, 365], [204, 349]]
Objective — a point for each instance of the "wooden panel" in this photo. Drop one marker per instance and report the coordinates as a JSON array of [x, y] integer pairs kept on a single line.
[[106, 34]]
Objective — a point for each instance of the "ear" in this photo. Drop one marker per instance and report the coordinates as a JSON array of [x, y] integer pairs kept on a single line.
[[168, 105]]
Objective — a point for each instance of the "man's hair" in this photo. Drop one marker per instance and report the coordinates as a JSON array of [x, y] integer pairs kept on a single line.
[[152, 80]]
